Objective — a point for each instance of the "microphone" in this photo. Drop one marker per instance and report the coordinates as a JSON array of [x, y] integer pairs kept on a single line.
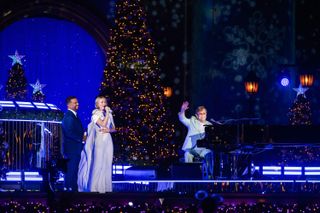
[[108, 110]]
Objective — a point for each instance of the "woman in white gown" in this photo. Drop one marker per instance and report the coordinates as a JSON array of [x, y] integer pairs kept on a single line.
[[95, 168]]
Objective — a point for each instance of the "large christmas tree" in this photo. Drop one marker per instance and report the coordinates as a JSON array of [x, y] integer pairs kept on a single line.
[[16, 88], [300, 112], [132, 85]]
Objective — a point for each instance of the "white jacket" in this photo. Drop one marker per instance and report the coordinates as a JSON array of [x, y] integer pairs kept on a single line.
[[196, 130]]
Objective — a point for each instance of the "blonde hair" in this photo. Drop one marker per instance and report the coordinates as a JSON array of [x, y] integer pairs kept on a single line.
[[99, 98], [200, 108]]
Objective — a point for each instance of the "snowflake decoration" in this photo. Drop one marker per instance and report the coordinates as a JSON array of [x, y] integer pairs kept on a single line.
[[256, 47], [175, 14], [222, 11]]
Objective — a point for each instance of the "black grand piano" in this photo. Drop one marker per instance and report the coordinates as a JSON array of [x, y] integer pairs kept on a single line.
[[235, 145]]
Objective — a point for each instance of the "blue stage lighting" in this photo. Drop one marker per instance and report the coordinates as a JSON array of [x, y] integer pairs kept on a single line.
[[292, 170], [284, 81], [312, 170], [7, 104], [271, 170]]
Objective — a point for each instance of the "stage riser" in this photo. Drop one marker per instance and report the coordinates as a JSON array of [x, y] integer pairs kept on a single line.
[[187, 171], [140, 173], [183, 188]]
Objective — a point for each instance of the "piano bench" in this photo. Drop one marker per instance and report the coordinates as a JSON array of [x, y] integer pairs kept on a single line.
[[195, 160]]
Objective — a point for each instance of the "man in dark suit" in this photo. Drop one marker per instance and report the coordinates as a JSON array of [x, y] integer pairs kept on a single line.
[[73, 137]]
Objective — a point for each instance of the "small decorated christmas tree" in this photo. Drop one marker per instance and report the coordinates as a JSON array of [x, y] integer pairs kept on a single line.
[[16, 88], [37, 94], [300, 112]]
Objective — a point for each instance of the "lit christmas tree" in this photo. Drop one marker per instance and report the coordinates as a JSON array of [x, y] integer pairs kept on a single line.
[[300, 112], [37, 94], [132, 83], [16, 88]]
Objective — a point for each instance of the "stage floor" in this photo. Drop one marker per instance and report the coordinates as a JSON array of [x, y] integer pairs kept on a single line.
[[187, 187], [170, 194]]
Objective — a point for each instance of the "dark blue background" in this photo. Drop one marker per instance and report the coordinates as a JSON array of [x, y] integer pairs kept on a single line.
[[230, 39], [60, 54]]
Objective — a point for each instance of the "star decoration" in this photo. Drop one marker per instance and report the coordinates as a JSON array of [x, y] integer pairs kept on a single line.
[[301, 90], [37, 87], [16, 58]]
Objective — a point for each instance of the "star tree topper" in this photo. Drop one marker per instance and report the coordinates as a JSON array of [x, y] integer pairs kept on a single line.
[[37, 87], [301, 90], [16, 58]]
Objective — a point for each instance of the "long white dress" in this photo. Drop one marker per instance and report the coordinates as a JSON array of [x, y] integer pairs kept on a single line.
[[95, 168]]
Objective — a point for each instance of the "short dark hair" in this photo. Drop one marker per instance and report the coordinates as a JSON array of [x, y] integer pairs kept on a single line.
[[69, 98]]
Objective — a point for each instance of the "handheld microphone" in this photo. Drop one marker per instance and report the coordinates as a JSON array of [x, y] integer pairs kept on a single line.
[[108, 110]]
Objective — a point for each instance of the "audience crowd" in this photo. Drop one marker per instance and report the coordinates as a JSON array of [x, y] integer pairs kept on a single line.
[[14, 206]]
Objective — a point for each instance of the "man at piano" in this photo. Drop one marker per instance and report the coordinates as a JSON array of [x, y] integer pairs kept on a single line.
[[196, 131]]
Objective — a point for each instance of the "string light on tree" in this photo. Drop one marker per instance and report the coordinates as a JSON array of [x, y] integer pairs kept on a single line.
[[132, 82]]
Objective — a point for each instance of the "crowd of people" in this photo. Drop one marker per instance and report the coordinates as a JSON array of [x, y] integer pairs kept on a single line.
[[194, 207]]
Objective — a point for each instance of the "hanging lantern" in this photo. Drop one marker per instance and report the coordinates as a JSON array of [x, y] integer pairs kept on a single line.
[[251, 87], [306, 80], [251, 83], [167, 92]]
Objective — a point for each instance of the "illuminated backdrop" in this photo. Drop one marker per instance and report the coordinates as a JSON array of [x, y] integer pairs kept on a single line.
[[60, 54]]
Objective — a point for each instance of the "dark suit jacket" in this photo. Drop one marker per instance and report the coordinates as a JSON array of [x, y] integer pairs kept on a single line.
[[72, 131]]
